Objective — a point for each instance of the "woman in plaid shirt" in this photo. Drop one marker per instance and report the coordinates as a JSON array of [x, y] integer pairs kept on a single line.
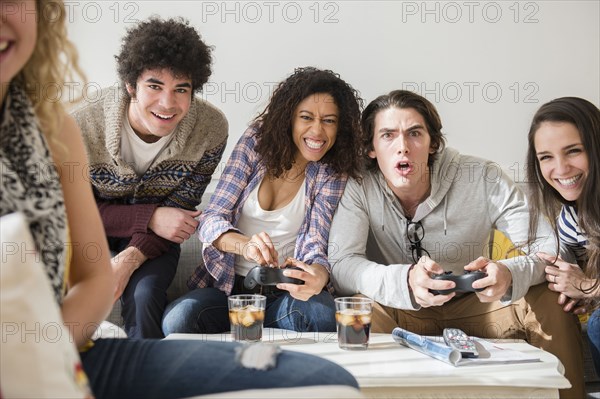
[[273, 207]]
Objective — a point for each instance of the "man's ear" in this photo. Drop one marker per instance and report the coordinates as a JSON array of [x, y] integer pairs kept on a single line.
[[130, 90]]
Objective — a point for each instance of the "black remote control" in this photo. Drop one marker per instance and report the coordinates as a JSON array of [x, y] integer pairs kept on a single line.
[[459, 340]]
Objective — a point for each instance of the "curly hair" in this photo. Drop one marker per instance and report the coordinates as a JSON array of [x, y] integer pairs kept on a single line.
[[164, 44], [275, 143], [402, 99], [53, 62], [585, 116]]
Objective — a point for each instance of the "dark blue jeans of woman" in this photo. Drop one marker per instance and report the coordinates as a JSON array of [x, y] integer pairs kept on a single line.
[[593, 332], [205, 311], [163, 369]]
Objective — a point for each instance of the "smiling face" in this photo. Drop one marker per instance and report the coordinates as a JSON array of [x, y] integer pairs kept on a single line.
[[314, 127], [18, 34], [401, 146], [562, 158], [159, 102]]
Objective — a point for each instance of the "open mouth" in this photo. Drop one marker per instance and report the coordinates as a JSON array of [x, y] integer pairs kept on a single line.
[[314, 144], [4, 45], [569, 182], [403, 166], [164, 117]]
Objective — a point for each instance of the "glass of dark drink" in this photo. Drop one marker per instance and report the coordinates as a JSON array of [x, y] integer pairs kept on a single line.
[[246, 315], [353, 319]]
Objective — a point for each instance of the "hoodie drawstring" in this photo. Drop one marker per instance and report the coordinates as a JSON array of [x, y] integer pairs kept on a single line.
[[382, 216]]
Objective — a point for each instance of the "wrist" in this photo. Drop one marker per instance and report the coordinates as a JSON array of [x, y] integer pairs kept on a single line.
[[133, 257], [232, 242], [408, 274], [322, 273], [593, 293]]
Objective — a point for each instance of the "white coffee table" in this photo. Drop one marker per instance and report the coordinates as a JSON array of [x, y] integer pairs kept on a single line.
[[388, 369]]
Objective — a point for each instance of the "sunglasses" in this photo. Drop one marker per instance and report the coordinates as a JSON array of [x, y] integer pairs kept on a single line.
[[415, 233]]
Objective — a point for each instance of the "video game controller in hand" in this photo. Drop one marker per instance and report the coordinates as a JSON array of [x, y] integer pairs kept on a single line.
[[464, 282], [263, 275]]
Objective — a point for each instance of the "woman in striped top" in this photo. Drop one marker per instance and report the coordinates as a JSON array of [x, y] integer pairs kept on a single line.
[[564, 180]]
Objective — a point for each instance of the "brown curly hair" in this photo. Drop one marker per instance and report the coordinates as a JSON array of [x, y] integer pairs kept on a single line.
[[275, 143], [164, 44]]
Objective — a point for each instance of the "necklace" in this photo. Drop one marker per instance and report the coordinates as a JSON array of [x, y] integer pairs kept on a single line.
[[287, 176]]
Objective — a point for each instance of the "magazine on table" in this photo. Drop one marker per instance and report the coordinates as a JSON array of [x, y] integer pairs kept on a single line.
[[489, 352]]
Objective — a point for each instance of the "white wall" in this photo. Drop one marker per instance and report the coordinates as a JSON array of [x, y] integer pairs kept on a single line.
[[486, 65]]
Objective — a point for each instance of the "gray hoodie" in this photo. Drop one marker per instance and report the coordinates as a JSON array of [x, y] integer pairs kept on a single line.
[[369, 250]]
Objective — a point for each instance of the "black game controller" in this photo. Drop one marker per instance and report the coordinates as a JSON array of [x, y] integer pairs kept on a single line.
[[464, 282], [263, 275]]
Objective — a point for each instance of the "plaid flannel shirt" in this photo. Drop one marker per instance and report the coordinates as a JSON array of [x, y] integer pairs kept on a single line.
[[242, 174]]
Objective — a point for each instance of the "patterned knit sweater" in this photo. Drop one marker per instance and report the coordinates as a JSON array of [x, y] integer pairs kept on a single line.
[[176, 178]]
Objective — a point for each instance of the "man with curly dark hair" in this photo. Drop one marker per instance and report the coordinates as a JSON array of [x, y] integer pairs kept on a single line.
[[153, 147], [273, 207]]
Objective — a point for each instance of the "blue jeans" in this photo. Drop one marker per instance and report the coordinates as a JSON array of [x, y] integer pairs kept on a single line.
[[593, 332], [145, 297], [149, 368], [204, 311]]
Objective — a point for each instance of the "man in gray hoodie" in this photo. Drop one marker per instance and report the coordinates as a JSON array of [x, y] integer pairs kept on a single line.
[[421, 210]]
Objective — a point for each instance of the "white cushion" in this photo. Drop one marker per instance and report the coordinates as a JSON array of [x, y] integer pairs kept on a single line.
[[38, 358]]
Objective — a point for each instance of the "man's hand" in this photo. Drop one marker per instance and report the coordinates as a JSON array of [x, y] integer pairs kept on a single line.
[[315, 277], [173, 224], [497, 282], [123, 265], [420, 282]]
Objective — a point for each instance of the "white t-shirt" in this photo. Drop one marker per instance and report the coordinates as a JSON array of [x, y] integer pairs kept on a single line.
[[282, 225], [136, 152]]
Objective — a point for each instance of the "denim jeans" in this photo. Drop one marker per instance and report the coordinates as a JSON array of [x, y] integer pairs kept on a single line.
[[593, 332], [145, 296], [150, 368], [204, 310]]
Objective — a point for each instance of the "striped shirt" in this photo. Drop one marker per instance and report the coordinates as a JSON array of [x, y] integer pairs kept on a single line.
[[570, 233], [243, 172]]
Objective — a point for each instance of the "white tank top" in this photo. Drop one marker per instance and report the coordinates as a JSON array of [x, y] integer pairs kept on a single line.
[[282, 225]]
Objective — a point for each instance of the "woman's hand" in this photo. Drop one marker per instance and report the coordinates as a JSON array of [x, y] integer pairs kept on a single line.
[[566, 278], [257, 249], [571, 305], [315, 277], [123, 265], [260, 249]]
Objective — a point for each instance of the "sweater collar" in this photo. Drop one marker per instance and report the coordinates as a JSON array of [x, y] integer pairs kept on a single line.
[[116, 103]]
